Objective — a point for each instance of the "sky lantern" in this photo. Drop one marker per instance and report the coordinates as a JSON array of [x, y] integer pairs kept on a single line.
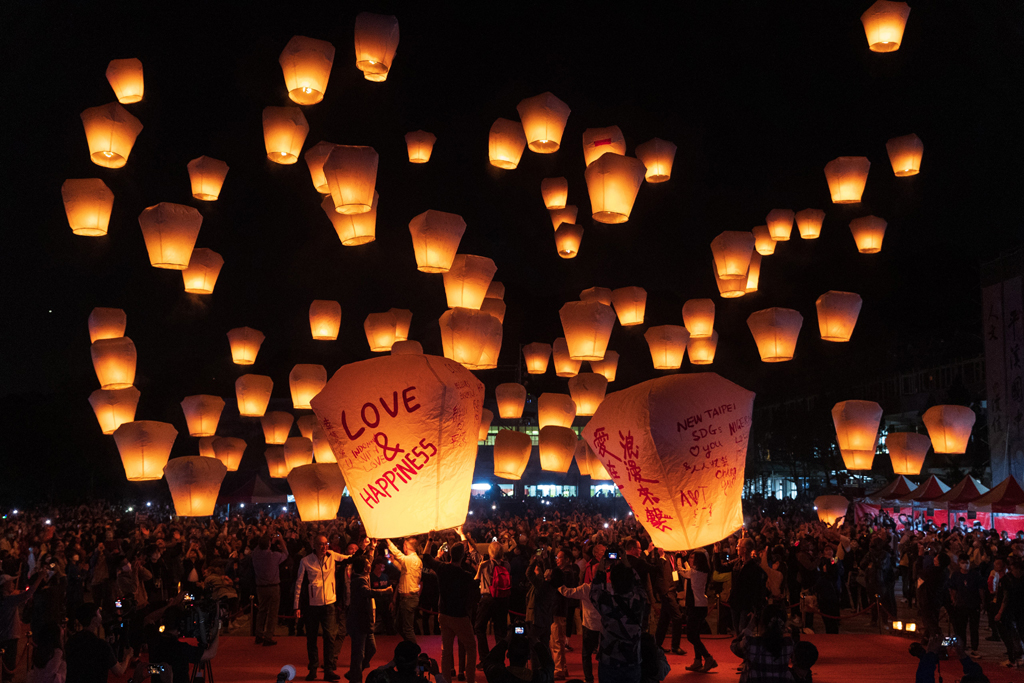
[[351, 172], [868, 233], [110, 131], [306, 65], [170, 231], [588, 327], [732, 250], [277, 425], [565, 366], [668, 345], [613, 182], [699, 317], [555, 409], [325, 319], [567, 239], [394, 418], [353, 229], [831, 508], [608, 366], [486, 418], [403, 319], [630, 304], [655, 438], [87, 203], [857, 432], [907, 451], [555, 192], [275, 462], [587, 390], [407, 347], [252, 393], [317, 489], [557, 445], [730, 289], [543, 118], [600, 294], [229, 450], [702, 349], [125, 77], [837, 315], [495, 290], [905, 154], [506, 144], [780, 224], [657, 156], [511, 453], [114, 407], [420, 144], [808, 222], [195, 483], [202, 414], [464, 332], [763, 242], [305, 381], [511, 399], [599, 141], [207, 177], [883, 23], [203, 269], [315, 157], [846, 178], [495, 307], [595, 468], [376, 40], [581, 458], [564, 215], [321, 446], [949, 427], [466, 282], [106, 323], [491, 346], [753, 273], [536, 356], [114, 362], [206, 446], [775, 331], [245, 344], [380, 331], [298, 451], [435, 240], [306, 423], [144, 446], [284, 132]]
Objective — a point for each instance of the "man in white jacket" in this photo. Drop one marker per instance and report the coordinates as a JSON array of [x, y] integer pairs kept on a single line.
[[591, 626], [318, 570]]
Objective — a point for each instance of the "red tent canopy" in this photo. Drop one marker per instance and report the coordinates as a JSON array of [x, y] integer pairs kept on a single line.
[[957, 498], [927, 492], [897, 489], [1006, 496]]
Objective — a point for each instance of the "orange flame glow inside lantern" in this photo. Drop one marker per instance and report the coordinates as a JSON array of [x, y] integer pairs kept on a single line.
[[775, 331], [202, 414], [229, 450], [106, 323], [555, 192], [588, 327], [486, 418], [277, 425], [353, 229], [567, 239], [613, 182], [763, 242], [600, 141], [555, 409], [699, 317], [419, 144], [511, 399], [846, 178], [808, 222], [207, 177], [907, 451], [464, 332], [245, 344], [730, 289], [305, 381], [110, 131], [702, 349], [203, 269], [657, 156], [144, 446], [565, 366], [126, 79], [599, 294], [557, 445], [857, 432], [170, 231], [506, 144], [587, 390], [630, 304], [868, 233], [324, 319], [495, 307], [195, 484], [905, 154], [831, 508], [949, 427], [114, 362], [376, 41], [351, 172], [114, 407], [306, 65], [883, 24], [732, 250], [284, 132], [298, 451], [543, 118], [275, 462], [608, 366], [317, 490], [87, 203], [536, 356], [780, 224], [668, 345], [435, 240], [837, 315], [511, 453], [315, 157], [466, 282], [380, 331], [252, 392], [408, 347]]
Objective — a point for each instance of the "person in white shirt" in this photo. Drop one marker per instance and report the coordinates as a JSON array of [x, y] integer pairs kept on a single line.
[[591, 626], [409, 562], [318, 570]]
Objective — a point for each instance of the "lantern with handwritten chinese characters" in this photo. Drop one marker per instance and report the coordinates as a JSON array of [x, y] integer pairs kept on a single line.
[[376, 41], [506, 144], [317, 489], [305, 381], [701, 350], [588, 327], [353, 229], [110, 131], [668, 345], [284, 132], [435, 240], [730, 289], [775, 331], [630, 304], [229, 450], [324, 319], [846, 178], [495, 290], [555, 192], [699, 317], [557, 445], [677, 446], [536, 356], [276, 424], [949, 427], [298, 451], [831, 508], [125, 77], [613, 182], [566, 214], [732, 250], [511, 399], [511, 453], [486, 418], [857, 432], [419, 145], [491, 345], [114, 362], [275, 462], [905, 154], [252, 392], [837, 315], [245, 344], [144, 446], [808, 222], [907, 451], [608, 366], [87, 203], [587, 390], [170, 231], [565, 366], [600, 294], [868, 233], [207, 175], [466, 282], [195, 483], [753, 273], [203, 270], [106, 323], [380, 331], [600, 141], [351, 172], [883, 23], [567, 239], [657, 156], [306, 65], [555, 409], [495, 307], [407, 347], [464, 332], [202, 414], [543, 118], [315, 157], [763, 242], [115, 407]]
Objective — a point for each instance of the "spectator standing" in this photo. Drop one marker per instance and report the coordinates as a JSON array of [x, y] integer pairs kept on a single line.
[[669, 614], [747, 595], [266, 565], [495, 580], [317, 569], [697, 572], [967, 593], [454, 586], [408, 560], [11, 602], [991, 602], [621, 607], [359, 618]]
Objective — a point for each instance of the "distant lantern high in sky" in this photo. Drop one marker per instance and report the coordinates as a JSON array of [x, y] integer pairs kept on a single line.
[[435, 239], [543, 118], [170, 231], [87, 203], [506, 144], [884, 23], [376, 41], [284, 132], [306, 65], [351, 172], [125, 77], [110, 131]]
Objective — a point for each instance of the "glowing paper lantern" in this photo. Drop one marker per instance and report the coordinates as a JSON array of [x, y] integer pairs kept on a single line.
[[306, 423], [564, 215], [87, 203], [491, 346], [252, 393], [376, 40], [588, 327], [353, 229], [380, 331], [403, 319], [115, 407], [763, 242], [298, 451], [464, 332], [315, 157], [351, 172], [565, 366], [305, 382], [284, 132], [543, 118], [407, 347], [846, 178], [567, 239], [808, 222], [114, 362], [905, 154], [420, 144], [125, 77], [730, 289], [702, 349], [613, 182], [837, 315], [555, 192], [662, 442], [306, 65], [857, 432], [277, 425], [883, 23], [466, 282], [195, 483], [495, 290], [202, 414], [581, 458], [486, 418], [831, 508], [907, 451], [245, 344], [536, 356], [587, 390], [608, 366], [775, 331], [753, 273], [431, 407], [511, 398], [206, 447], [317, 490], [203, 269], [495, 307], [732, 250], [657, 156], [170, 231], [868, 233], [557, 445], [275, 462], [599, 294], [106, 323], [144, 446], [555, 409], [949, 427], [780, 224], [599, 141], [668, 345], [506, 144], [325, 319], [511, 453], [435, 239], [110, 131], [229, 450], [321, 446], [699, 317], [630, 304], [595, 468], [207, 177]]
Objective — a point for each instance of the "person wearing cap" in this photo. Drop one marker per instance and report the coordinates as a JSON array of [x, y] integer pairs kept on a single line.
[[11, 601]]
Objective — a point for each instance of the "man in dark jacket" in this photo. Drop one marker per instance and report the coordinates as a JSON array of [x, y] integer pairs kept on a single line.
[[359, 618], [748, 586], [669, 614], [967, 593], [455, 584]]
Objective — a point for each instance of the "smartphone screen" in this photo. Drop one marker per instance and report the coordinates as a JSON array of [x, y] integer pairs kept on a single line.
[[520, 630]]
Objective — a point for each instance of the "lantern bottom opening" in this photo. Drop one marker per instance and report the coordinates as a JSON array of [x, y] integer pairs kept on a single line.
[[555, 207], [242, 361], [845, 338], [568, 254], [884, 47], [305, 96], [857, 460], [89, 232], [376, 78], [145, 478], [433, 269], [108, 159], [205, 197], [870, 250], [371, 67], [588, 358], [669, 366], [325, 337], [241, 414], [538, 372], [418, 160], [732, 295], [296, 406], [504, 416], [379, 349], [323, 189], [907, 172], [906, 471], [846, 201], [658, 178], [129, 99], [352, 209], [203, 433], [170, 266], [195, 290], [504, 163], [356, 241], [544, 146], [775, 359], [700, 362], [610, 217], [117, 385], [283, 158], [507, 475], [629, 323], [809, 235], [780, 238]]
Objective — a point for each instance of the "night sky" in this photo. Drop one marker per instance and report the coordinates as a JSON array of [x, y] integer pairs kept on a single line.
[[758, 97]]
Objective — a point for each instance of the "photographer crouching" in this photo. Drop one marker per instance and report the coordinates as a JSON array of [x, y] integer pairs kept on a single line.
[[409, 665], [939, 649], [183, 617]]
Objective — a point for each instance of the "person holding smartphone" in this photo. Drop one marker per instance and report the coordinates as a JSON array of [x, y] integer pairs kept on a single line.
[[697, 570]]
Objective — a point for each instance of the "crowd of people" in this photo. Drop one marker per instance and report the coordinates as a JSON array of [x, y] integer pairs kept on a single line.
[[97, 586]]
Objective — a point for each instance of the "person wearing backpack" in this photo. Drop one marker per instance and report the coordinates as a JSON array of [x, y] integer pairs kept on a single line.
[[495, 581]]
